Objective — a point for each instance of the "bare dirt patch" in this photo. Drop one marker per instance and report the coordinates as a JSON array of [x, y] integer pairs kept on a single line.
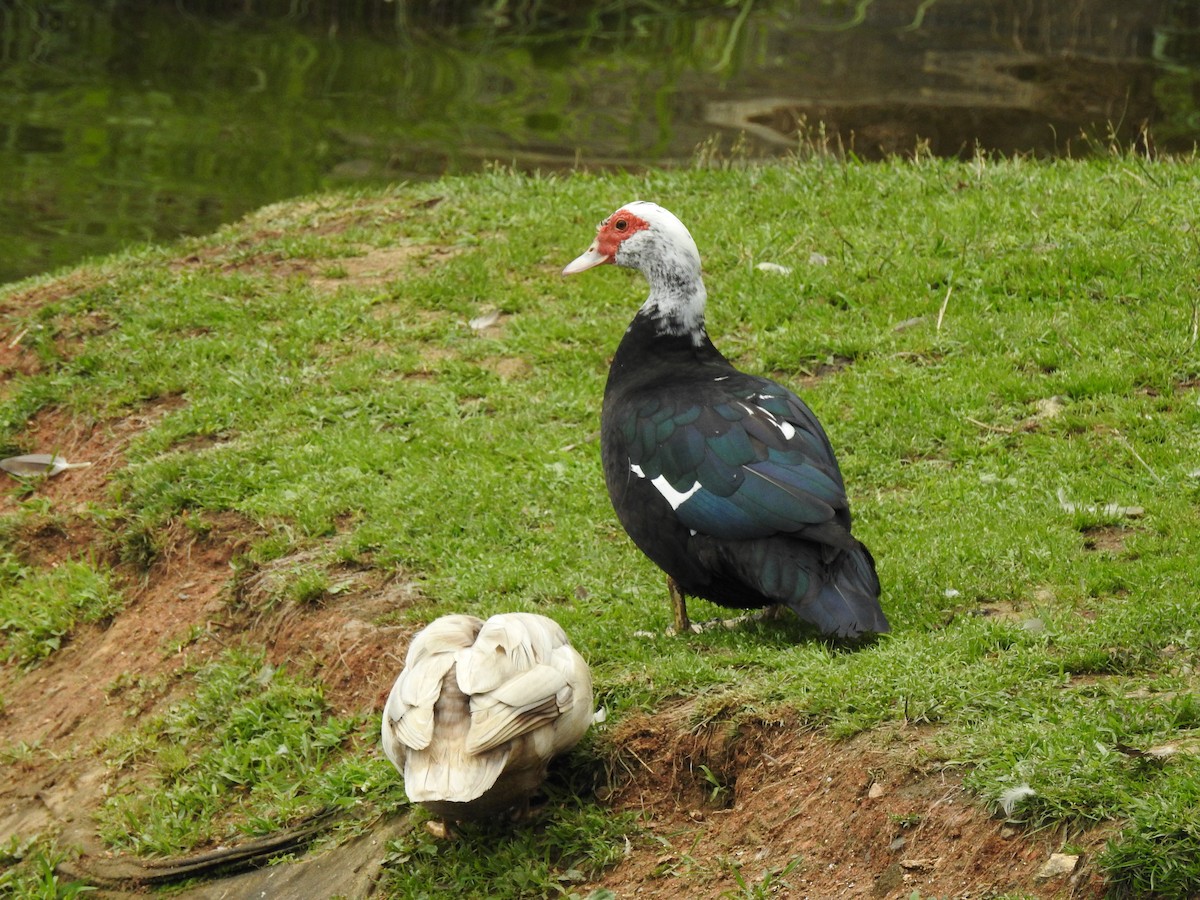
[[366, 265], [181, 613], [16, 356], [1106, 538], [508, 368], [46, 292], [370, 267], [101, 681], [337, 637], [377, 265], [797, 815], [100, 443]]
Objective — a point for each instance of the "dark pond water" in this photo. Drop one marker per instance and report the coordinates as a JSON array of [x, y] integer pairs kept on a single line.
[[131, 121]]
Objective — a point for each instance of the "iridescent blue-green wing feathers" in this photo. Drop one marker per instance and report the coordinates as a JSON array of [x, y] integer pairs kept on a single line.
[[753, 465], [752, 476]]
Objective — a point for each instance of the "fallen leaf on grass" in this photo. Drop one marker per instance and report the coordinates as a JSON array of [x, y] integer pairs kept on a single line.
[[1049, 408], [1162, 751], [906, 324], [1046, 408]]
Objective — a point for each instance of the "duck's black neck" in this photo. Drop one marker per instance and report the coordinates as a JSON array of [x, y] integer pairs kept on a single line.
[[648, 351]]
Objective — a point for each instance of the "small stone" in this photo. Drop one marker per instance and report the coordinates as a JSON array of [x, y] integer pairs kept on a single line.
[[1057, 866], [875, 791], [898, 843]]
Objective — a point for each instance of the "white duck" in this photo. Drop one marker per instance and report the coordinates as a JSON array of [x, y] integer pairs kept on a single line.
[[481, 708]]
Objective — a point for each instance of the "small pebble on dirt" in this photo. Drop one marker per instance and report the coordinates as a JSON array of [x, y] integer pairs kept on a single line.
[[1057, 866]]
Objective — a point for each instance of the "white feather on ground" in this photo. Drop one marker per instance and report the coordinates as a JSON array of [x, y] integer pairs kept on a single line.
[[481, 708]]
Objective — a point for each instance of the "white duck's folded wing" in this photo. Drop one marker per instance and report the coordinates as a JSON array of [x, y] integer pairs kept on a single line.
[[508, 645], [408, 718], [531, 700], [410, 706]]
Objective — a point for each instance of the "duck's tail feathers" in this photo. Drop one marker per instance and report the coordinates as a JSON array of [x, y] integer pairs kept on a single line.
[[846, 604]]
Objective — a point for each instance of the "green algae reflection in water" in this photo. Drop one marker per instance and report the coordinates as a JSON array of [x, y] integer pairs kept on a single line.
[[143, 125]]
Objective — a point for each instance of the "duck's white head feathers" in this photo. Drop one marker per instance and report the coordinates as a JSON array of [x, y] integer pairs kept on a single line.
[[644, 236]]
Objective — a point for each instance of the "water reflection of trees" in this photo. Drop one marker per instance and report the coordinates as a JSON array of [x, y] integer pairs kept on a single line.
[[125, 121], [132, 122]]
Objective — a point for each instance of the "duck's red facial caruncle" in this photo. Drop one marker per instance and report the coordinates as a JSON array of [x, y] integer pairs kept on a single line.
[[614, 230]]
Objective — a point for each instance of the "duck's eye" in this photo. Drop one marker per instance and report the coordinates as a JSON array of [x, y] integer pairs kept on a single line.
[[620, 225]]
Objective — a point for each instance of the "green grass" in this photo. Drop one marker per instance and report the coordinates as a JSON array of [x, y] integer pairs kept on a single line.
[[252, 750], [40, 607], [373, 412], [574, 842], [27, 871]]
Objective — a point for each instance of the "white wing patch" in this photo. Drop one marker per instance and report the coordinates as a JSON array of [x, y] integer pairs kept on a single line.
[[787, 429], [674, 497]]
